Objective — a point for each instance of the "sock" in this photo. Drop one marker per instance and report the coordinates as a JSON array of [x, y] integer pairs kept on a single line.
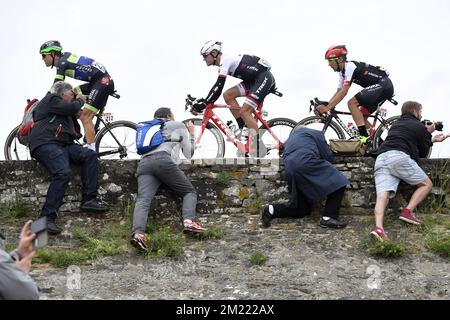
[[271, 209], [326, 218], [363, 131], [90, 146], [240, 122]]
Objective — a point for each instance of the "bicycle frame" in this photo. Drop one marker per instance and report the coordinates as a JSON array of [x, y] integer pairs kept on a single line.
[[335, 115], [121, 149], [210, 115]]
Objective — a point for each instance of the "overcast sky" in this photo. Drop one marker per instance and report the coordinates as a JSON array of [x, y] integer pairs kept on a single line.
[[151, 49]]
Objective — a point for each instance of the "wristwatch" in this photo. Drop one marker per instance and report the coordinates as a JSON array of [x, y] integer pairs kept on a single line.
[[15, 255]]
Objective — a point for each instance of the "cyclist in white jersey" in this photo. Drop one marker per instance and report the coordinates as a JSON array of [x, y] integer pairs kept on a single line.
[[257, 83]]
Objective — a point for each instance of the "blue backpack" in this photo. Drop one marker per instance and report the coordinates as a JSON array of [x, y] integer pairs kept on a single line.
[[149, 135]]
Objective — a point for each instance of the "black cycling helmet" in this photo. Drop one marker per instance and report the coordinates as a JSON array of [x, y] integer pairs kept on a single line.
[[50, 46]]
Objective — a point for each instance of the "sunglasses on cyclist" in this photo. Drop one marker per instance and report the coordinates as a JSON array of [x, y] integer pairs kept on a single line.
[[44, 55], [205, 55]]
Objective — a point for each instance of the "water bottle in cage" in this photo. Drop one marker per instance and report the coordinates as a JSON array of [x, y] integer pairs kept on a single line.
[[233, 127], [244, 135], [354, 132]]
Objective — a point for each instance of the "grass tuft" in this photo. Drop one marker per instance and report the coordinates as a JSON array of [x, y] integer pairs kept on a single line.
[[384, 249], [439, 243], [258, 258], [213, 233], [164, 243]]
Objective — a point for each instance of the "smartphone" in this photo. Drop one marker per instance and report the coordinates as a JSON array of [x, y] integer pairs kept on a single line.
[[39, 227]]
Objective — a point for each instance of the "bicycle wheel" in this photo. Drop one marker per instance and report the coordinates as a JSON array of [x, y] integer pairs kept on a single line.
[[117, 140], [13, 149], [282, 128], [333, 131], [382, 131], [211, 145]]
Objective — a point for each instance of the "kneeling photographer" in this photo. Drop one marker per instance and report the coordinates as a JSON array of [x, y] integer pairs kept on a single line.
[[408, 140]]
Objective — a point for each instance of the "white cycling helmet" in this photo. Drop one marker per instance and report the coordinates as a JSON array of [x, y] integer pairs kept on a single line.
[[210, 46]]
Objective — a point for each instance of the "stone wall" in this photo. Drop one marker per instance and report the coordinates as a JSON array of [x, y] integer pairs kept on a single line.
[[223, 185]]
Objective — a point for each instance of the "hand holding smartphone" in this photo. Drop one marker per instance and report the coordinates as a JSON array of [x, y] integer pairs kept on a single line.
[[39, 227]]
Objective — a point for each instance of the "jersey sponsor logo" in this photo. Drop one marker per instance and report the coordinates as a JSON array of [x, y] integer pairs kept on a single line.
[[99, 66], [373, 87], [261, 86], [367, 73], [83, 68], [252, 68], [92, 95]]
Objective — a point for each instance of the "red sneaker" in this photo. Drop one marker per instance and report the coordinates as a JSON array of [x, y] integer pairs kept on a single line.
[[378, 233], [407, 216], [138, 241], [192, 226]]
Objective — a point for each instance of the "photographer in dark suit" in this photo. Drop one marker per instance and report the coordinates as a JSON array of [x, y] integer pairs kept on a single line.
[[52, 143], [310, 177], [407, 141]]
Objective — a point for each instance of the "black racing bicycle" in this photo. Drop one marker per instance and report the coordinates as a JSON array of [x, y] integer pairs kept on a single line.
[[334, 128]]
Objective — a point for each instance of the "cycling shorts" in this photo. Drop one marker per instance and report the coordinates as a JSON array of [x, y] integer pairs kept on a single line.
[[256, 90], [98, 92], [371, 97]]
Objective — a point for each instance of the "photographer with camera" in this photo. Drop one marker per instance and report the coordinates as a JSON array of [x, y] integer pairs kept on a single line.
[[408, 140]]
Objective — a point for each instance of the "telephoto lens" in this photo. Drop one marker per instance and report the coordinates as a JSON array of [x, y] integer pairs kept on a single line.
[[438, 125]]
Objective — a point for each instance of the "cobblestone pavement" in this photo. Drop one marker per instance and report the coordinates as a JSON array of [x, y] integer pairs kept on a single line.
[[304, 262]]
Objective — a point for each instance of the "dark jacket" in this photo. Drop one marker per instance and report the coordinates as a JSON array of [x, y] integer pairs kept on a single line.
[[308, 168], [408, 135], [55, 122]]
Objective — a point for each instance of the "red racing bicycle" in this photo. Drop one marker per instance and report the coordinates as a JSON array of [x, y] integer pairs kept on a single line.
[[209, 131]]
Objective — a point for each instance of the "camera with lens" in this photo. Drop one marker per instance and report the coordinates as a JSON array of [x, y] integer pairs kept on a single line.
[[438, 125]]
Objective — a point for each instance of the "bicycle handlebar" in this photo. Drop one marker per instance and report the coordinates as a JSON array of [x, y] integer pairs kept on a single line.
[[315, 103], [189, 100]]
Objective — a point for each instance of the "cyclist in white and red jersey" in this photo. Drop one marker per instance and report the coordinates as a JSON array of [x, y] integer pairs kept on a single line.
[[257, 83], [375, 81]]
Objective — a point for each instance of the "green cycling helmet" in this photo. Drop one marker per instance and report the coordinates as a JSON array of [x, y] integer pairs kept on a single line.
[[50, 46]]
